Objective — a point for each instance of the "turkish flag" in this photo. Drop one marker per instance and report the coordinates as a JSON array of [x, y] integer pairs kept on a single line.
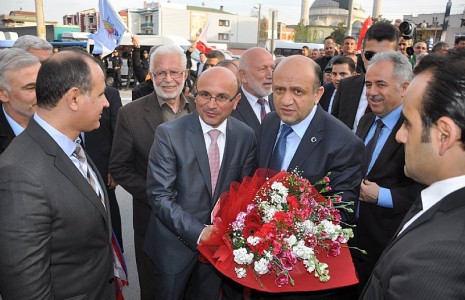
[[366, 24], [202, 44]]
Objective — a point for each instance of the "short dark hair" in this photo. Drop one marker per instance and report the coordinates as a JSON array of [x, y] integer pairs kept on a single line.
[[445, 93], [440, 46], [61, 72], [342, 60], [382, 31], [305, 47], [216, 54], [459, 39], [348, 38]]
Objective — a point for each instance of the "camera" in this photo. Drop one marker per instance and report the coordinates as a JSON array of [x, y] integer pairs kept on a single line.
[[407, 30]]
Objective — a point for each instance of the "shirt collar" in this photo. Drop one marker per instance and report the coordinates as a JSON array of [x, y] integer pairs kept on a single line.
[[162, 102], [17, 129], [62, 140], [301, 127], [390, 120], [252, 99], [440, 189], [206, 128]]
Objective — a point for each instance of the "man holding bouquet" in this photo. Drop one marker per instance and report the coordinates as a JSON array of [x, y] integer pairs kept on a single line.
[[192, 161]]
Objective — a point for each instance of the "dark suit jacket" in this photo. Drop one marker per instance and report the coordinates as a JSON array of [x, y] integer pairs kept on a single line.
[[347, 99], [426, 260], [179, 186], [244, 112], [55, 236], [99, 141], [376, 224], [6, 133], [326, 97], [135, 129], [327, 146]]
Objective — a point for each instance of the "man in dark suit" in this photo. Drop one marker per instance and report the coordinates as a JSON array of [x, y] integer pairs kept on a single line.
[[342, 67], [98, 145], [314, 142], [55, 228], [135, 128], [192, 161], [386, 193], [425, 258], [256, 71], [317, 143], [18, 102], [350, 103]]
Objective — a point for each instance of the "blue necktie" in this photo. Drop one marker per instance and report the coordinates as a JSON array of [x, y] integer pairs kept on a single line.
[[279, 150]]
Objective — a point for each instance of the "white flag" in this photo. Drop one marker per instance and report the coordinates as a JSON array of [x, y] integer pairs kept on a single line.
[[111, 29]]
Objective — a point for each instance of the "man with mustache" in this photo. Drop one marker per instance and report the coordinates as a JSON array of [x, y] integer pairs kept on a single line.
[[135, 128], [18, 102], [256, 70], [386, 193]]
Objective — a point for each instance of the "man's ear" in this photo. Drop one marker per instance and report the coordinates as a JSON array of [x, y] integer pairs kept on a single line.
[[448, 133], [72, 98]]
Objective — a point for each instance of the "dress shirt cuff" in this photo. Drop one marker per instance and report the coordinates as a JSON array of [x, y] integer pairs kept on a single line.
[[198, 239], [384, 198]]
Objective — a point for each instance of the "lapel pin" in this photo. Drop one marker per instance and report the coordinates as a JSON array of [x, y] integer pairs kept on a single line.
[[313, 139]]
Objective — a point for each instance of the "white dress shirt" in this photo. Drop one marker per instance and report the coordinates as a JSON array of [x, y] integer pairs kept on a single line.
[[257, 109]]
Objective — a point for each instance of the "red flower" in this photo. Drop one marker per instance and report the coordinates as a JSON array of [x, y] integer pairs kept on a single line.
[[293, 203], [287, 259], [335, 249], [253, 217], [250, 229], [282, 279]]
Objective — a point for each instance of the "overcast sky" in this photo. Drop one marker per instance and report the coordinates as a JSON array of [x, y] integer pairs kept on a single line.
[[288, 10]]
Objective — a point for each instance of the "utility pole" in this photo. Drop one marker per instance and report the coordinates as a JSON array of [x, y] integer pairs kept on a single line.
[[41, 33], [258, 22], [273, 29], [349, 18]]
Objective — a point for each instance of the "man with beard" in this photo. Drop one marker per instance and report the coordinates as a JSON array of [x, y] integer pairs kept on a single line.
[[18, 102], [256, 70], [135, 129]]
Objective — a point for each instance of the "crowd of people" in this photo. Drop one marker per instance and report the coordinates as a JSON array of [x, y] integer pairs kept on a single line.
[[387, 125]]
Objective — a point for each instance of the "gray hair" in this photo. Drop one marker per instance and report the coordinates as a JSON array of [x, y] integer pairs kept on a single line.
[[14, 59], [27, 42], [169, 49], [402, 67]]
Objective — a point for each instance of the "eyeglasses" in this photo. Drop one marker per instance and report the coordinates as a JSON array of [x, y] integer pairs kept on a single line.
[[206, 96], [163, 74], [369, 55]]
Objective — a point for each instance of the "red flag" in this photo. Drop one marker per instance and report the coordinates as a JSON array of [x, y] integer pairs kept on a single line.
[[202, 44], [366, 24]]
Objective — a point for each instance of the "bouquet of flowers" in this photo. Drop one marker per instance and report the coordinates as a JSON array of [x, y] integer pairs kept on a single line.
[[279, 233]]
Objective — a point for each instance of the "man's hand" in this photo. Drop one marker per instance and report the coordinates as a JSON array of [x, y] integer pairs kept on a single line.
[[111, 182], [192, 47], [369, 191], [135, 41], [206, 232]]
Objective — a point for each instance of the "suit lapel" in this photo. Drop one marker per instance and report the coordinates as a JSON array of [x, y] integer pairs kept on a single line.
[[64, 164], [6, 133], [229, 148], [364, 126], [153, 114], [198, 144], [246, 111], [312, 137]]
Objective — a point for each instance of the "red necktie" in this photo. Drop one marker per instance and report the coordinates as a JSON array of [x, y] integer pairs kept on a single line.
[[261, 101]]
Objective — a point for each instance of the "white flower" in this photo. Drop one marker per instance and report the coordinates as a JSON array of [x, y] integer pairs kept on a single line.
[[309, 265], [291, 240], [253, 240], [302, 251], [261, 266], [242, 257], [240, 272]]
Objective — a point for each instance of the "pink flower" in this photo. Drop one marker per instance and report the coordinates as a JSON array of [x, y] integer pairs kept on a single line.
[[335, 249], [287, 259], [282, 279]]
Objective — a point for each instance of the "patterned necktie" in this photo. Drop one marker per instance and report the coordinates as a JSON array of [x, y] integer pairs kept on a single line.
[[279, 151], [371, 145], [261, 101], [81, 156], [214, 157]]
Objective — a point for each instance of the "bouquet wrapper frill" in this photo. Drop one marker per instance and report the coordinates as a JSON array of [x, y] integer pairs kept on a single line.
[[218, 250]]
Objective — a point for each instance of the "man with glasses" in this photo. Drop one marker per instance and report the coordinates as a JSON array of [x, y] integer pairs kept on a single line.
[[350, 101], [135, 128], [192, 161]]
